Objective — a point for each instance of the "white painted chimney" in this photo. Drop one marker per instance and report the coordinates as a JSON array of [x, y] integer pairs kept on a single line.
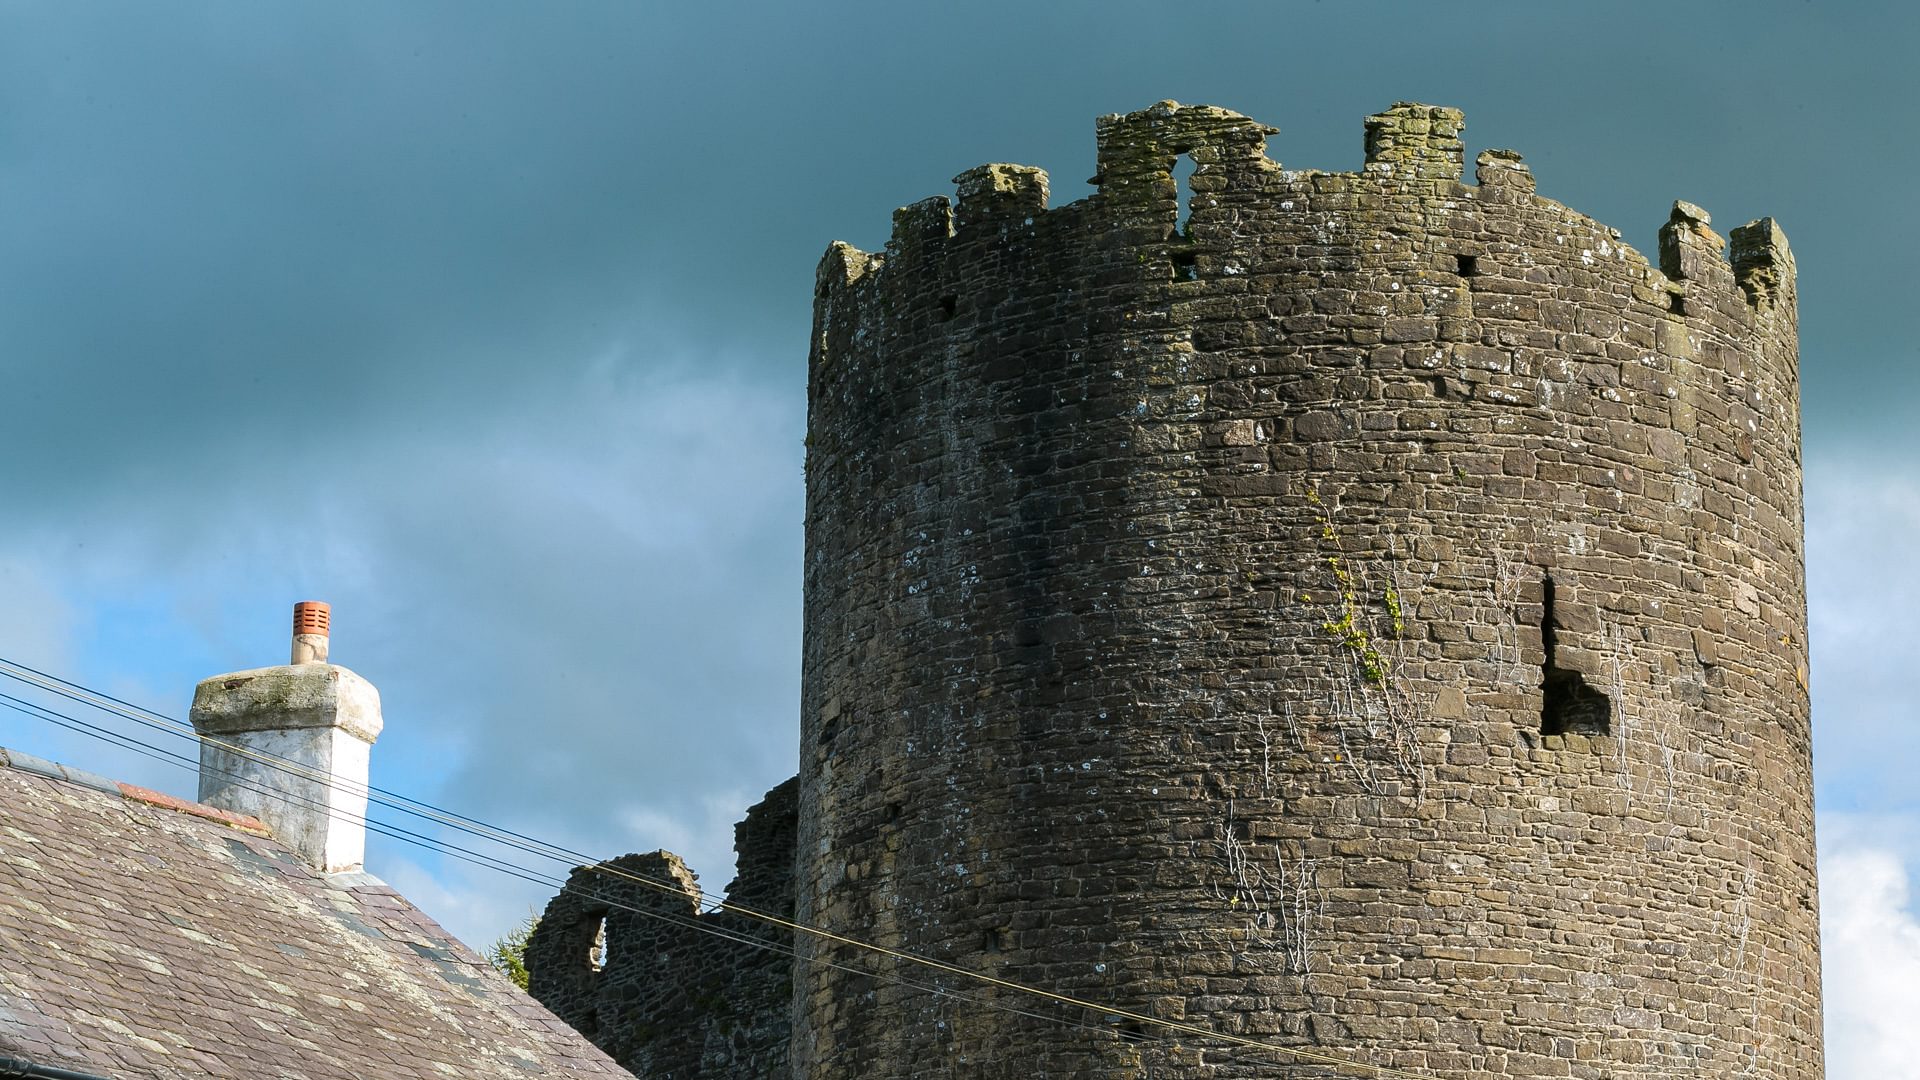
[[289, 745]]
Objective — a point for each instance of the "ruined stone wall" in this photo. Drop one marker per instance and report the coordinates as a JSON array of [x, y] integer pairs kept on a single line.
[[1367, 617], [666, 990]]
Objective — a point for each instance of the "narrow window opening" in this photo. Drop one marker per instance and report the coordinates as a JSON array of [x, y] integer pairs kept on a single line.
[[597, 952], [1568, 706], [1440, 387], [827, 731], [948, 305], [1185, 265], [1677, 303], [1131, 1031], [1469, 265]]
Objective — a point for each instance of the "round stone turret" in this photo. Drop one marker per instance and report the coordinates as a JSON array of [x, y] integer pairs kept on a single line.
[[1362, 612]]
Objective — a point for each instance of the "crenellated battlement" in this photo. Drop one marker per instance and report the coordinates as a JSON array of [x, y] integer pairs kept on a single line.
[[1504, 171], [999, 192], [1763, 265], [1412, 152], [1137, 151], [1416, 140]]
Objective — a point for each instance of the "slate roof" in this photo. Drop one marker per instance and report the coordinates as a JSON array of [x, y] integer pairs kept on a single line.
[[145, 938]]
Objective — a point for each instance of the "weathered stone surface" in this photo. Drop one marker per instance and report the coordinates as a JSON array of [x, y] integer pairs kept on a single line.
[[322, 718], [286, 697], [627, 956], [1178, 630]]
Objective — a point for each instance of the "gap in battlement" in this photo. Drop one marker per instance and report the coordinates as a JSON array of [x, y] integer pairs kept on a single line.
[[1183, 168], [1470, 149]]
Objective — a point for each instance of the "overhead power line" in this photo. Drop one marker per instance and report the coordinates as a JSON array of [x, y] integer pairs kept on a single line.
[[523, 873], [529, 845], [516, 870]]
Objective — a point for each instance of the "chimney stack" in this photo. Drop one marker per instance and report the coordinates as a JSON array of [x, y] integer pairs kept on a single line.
[[289, 745]]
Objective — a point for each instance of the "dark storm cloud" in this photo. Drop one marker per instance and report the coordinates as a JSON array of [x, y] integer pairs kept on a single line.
[[488, 321], [220, 217]]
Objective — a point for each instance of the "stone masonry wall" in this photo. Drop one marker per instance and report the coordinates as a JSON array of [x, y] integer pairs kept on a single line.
[[667, 991], [1367, 616]]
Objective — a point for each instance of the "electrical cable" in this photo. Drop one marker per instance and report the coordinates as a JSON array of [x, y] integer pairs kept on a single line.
[[106, 703], [488, 862], [473, 827]]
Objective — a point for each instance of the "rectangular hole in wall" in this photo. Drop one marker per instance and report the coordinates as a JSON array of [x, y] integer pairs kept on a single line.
[[1468, 265], [1568, 706]]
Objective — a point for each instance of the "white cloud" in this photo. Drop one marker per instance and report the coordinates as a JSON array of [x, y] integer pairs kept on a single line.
[[1871, 956], [1862, 512], [36, 622], [475, 905], [704, 840]]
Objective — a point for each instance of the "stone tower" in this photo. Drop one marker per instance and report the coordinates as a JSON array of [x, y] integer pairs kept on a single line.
[[1362, 612]]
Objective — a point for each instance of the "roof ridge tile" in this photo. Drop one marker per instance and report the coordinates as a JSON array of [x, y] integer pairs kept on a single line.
[[243, 822], [53, 770]]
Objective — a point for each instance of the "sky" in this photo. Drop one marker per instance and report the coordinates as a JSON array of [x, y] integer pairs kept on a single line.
[[487, 323]]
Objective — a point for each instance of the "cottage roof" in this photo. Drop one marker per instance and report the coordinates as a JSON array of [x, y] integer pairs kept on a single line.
[[147, 938]]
